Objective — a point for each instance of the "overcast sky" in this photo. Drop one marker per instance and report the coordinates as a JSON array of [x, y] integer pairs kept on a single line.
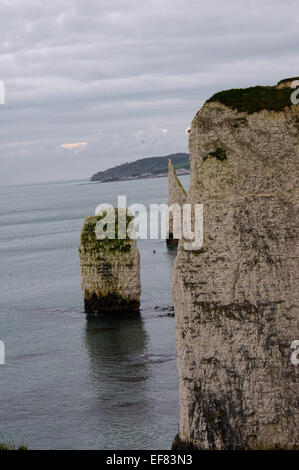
[[122, 79]]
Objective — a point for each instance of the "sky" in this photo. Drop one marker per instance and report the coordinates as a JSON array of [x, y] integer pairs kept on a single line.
[[94, 83]]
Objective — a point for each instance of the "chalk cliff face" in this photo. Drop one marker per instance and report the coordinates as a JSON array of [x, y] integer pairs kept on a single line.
[[110, 272], [176, 195], [236, 299]]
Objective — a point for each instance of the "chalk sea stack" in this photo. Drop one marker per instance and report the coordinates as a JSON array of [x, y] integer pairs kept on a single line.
[[236, 299], [176, 195], [110, 271]]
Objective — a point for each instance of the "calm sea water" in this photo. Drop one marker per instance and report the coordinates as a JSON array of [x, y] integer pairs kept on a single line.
[[69, 383]]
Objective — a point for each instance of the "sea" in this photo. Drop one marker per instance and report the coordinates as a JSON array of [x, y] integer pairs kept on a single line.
[[68, 382]]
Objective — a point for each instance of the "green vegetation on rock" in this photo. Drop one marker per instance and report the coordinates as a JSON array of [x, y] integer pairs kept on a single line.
[[219, 154], [180, 184], [90, 241], [254, 99]]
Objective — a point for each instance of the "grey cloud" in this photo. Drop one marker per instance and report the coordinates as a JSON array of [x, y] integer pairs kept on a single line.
[[102, 72]]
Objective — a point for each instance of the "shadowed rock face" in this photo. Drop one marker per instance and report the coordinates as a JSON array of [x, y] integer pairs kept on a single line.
[[236, 300], [176, 195], [110, 272]]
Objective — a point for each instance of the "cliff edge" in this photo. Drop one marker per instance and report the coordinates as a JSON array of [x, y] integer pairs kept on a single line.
[[236, 299]]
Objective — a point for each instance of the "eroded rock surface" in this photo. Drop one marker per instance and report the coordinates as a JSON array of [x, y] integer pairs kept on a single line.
[[236, 300], [110, 272]]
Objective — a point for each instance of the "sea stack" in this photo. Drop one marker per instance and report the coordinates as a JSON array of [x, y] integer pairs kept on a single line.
[[236, 299], [110, 270], [176, 195]]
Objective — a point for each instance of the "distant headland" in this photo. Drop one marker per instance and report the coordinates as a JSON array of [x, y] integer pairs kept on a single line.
[[152, 167]]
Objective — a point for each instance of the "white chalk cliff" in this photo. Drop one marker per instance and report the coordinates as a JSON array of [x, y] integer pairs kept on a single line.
[[236, 299]]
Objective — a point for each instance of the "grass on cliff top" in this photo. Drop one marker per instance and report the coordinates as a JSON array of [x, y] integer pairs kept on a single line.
[[254, 99], [285, 80]]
